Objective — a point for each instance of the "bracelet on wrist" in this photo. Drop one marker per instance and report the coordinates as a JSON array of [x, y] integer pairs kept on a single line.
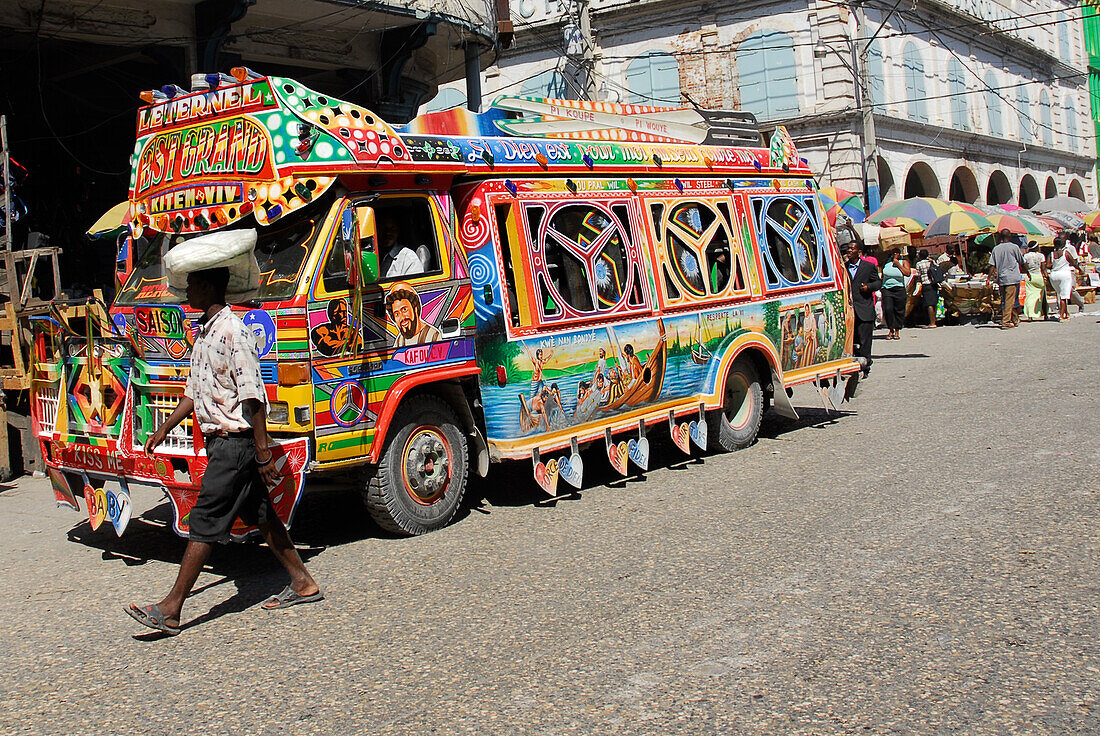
[[265, 463]]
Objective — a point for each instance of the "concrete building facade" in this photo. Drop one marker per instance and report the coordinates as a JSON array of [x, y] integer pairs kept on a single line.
[[974, 100]]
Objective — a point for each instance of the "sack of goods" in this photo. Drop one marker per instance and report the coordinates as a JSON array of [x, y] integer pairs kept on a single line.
[[232, 249]]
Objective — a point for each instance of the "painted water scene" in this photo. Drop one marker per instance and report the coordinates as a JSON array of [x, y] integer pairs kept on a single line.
[[567, 380]]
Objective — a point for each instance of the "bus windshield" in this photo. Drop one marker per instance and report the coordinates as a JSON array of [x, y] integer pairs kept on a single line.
[[281, 251]]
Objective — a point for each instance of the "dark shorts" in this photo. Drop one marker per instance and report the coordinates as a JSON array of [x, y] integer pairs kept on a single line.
[[930, 293], [231, 487]]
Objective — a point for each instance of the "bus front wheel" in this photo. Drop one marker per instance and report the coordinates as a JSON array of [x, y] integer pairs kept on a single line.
[[737, 423], [421, 477]]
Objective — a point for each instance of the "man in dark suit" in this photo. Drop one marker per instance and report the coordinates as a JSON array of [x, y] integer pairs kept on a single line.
[[865, 280]]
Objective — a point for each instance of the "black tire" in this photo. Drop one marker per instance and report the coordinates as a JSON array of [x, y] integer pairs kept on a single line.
[[426, 430], [736, 424]]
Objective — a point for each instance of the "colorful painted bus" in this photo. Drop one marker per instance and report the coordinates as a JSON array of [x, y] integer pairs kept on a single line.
[[512, 285]]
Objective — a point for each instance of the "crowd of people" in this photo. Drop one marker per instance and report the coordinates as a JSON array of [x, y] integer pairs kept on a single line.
[[895, 293]]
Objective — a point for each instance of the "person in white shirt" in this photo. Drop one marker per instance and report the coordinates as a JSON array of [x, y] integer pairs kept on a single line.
[[397, 259]]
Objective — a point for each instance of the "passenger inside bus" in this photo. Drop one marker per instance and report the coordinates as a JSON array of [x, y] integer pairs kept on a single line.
[[406, 242]]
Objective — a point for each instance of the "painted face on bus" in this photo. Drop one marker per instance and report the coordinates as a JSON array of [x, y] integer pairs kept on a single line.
[[405, 317]]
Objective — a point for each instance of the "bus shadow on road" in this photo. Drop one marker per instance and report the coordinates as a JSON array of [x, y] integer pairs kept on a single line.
[[513, 485]]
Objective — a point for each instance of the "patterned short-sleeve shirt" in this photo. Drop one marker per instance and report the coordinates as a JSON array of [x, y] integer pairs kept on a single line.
[[922, 271], [225, 371]]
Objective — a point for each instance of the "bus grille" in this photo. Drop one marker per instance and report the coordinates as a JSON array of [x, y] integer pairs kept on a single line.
[[48, 399], [157, 407]]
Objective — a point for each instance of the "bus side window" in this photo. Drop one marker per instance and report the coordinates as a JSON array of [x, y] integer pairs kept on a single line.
[[790, 244], [503, 212], [334, 275], [407, 244]]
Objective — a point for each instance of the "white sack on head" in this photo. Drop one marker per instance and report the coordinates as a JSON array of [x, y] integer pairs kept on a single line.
[[232, 249]]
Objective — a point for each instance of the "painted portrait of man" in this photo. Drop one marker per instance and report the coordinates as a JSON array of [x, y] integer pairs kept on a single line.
[[403, 306], [330, 338]]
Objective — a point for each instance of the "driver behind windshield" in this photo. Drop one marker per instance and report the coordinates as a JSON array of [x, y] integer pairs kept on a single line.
[[398, 258]]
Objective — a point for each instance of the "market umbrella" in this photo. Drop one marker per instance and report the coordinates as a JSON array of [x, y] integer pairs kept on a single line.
[[836, 200], [957, 223], [908, 224], [1061, 204], [1064, 220], [1008, 207], [1020, 224], [967, 207], [1092, 220], [921, 209], [111, 222]]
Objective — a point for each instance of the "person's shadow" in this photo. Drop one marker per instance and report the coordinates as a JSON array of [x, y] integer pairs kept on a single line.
[[327, 517]]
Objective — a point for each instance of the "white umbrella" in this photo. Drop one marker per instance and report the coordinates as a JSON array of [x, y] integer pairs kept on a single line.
[[1061, 204]]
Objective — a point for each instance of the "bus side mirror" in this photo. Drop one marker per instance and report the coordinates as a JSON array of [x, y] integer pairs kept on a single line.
[[367, 240]]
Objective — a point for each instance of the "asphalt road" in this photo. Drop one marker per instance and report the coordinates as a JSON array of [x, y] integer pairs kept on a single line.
[[925, 563]]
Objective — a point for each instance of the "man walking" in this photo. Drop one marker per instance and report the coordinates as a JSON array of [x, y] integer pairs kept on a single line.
[[865, 280], [1007, 263], [931, 276], [226, 394]]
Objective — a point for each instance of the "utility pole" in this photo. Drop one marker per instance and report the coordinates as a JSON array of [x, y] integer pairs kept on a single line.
[[865, 109], [588, 59]]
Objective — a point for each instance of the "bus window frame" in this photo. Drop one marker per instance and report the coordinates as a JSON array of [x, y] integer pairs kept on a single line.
[[638, 256], [318, 292], [816, 220], [687, 301]]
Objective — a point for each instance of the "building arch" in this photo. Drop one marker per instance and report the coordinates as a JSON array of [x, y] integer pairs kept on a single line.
[[916, 91], [653, 78], [993, 105], [767, 75], [964, 186], [1076, 190], [887, 188], [921, 181], [1029, 192], [1051, 189], [998, 190]]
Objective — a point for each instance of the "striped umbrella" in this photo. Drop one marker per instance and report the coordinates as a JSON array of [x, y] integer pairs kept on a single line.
[[1063, 220], [1020, 224], [908, 224], [957, 223], [967, 207], [921, 209], [1092, 220], [836, 200]]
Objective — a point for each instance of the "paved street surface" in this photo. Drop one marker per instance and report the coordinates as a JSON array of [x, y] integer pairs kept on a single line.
[[927, 563]]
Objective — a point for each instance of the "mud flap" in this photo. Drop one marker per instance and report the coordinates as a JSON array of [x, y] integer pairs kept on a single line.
[[480, 453], [781, 403]]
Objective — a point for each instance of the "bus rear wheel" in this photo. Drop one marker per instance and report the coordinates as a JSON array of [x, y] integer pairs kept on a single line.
[[421, 477], [736, 424]]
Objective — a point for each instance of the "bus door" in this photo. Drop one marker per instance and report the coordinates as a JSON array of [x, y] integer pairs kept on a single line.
[[409, 319]]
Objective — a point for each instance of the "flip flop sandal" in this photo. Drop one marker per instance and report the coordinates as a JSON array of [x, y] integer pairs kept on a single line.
[[288, 598], [152, 617]]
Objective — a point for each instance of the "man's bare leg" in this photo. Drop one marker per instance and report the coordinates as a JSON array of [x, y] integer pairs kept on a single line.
[[278, 540], [194, 557]]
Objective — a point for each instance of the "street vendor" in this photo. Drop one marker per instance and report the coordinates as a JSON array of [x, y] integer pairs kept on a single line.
[[226, 394]]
